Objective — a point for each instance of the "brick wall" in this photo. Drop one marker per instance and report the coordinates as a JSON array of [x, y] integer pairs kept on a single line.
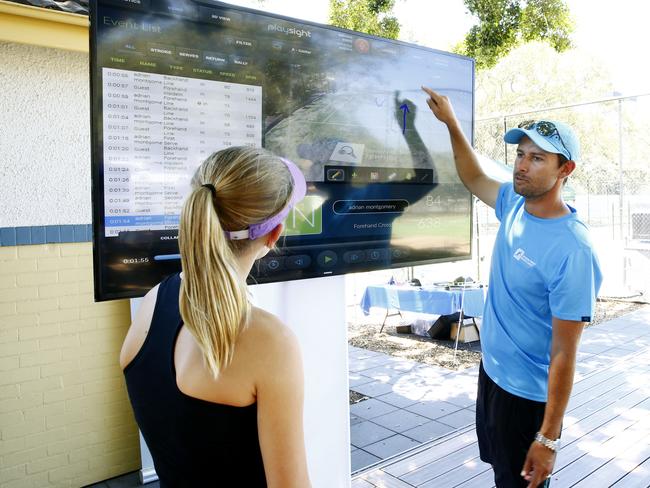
[[65, 419]]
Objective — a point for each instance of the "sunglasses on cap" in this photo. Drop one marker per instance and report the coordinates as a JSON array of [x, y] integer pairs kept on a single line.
[[546, 129]]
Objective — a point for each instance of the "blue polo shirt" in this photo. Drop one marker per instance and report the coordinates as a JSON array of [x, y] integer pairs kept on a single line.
[[541, 268]]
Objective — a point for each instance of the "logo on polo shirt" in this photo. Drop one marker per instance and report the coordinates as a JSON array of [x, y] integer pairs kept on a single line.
[[520, 255]]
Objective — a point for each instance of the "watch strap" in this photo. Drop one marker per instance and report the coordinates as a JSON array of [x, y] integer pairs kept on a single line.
[[553, 445]]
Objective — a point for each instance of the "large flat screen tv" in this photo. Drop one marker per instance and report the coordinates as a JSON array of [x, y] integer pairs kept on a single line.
[[174, 80]]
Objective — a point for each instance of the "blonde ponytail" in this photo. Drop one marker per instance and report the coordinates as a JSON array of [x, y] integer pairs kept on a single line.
[[251, 184]]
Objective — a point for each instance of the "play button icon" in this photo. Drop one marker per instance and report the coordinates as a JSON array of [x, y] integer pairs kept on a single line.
[[327, 259]]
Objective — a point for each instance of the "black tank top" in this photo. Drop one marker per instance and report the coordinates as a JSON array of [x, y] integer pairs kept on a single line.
[[193, 442]]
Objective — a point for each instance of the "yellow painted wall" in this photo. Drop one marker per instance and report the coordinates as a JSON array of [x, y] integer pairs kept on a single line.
[[65, 419]]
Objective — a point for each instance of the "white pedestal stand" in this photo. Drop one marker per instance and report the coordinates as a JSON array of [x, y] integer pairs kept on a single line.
[[315, 310]]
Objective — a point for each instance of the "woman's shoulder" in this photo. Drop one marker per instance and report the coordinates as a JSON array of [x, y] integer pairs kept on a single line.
[[269, 339], [268, 327], [273, 353]]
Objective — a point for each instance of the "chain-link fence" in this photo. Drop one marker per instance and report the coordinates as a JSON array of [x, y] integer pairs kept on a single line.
[[610, 187]]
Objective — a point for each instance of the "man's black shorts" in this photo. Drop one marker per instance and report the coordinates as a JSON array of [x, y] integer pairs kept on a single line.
[[506, 426]]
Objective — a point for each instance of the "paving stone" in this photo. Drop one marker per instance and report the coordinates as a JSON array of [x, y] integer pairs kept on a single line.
[[355, 419], [383, 374], [433, 409], [358, 353], [459, 419], [428, 431], [366, 433], [367, 363], [360, 459], [391, 446], [402, 365], [400, 420], [398, 400], [374, 389], [356, 379], [371, 408]]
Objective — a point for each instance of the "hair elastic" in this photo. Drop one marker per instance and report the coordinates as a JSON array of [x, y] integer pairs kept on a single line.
[[212, 189]]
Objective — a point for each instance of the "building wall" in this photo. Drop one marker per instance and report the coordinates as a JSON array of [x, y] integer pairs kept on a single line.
[[44, 136], [65, 420], [64, 414]]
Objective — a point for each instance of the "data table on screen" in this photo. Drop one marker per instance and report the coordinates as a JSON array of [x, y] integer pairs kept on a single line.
[[157, 129]]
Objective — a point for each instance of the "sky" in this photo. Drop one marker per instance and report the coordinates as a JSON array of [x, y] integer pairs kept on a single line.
[[614, 31]]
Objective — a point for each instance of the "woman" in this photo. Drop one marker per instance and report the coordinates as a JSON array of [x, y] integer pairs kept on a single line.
[[216, 385]]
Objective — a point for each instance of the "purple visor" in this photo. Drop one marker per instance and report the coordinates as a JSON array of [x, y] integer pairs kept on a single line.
[[262, 228]]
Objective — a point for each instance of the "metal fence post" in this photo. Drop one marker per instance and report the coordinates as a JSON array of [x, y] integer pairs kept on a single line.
[[620, 166]]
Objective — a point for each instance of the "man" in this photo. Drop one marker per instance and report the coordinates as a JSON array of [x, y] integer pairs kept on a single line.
[[543, 285]]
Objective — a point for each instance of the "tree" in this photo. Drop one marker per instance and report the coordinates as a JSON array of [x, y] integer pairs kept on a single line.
[[504, 24], [532, 81], [369, 16]]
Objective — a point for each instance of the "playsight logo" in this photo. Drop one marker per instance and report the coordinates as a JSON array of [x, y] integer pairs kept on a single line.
[[288, 30]]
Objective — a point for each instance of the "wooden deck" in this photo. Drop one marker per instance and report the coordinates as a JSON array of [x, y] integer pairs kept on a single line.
[[606, 432]]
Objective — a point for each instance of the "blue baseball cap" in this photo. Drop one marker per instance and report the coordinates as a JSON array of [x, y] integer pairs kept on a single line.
[[550, 135]]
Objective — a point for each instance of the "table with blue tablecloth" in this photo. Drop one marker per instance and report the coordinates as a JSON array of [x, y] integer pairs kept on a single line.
[[427, 299]]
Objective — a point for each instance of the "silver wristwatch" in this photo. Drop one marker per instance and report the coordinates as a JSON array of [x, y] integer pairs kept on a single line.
[[548, 443]]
